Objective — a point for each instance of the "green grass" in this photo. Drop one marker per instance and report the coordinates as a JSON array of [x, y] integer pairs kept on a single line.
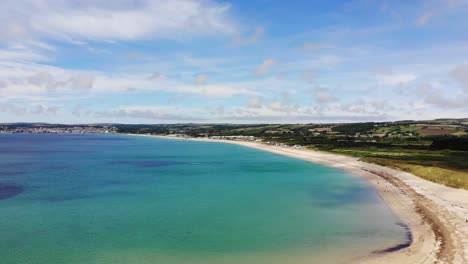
[[448, 177], [459, 133], [445, 167], [402, 129]]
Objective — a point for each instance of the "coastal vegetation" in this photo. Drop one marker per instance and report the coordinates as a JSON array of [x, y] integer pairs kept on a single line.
[[445, 167]]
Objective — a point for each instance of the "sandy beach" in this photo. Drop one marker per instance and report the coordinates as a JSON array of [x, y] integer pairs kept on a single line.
[[437, 216]]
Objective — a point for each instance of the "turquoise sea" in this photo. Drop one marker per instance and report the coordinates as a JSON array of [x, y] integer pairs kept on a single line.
[[109, 199]]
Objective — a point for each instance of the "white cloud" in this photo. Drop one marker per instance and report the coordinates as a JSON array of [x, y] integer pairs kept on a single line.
[[101, 20], [27, 80], [21, 54], [255, 102], [158, 113], [265, 67], [15, 109], [444, 101], [41, 79], [108, 83], [220, 91], [271, 111], [394, 79], [323, 95], [460, 73], [277, 106], [41, 109], [81, 82], [425, 89], [81, 109]]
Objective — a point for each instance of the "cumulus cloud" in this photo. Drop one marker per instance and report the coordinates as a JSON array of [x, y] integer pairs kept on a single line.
[[279, 111], [265, 67], [45, 109], [255, 102], [441, 98], [323, 95], [460, 73], [41, 78], [47, 81], [444, 101], [219, 110], [425, 89], [390, 78], [81, 82], [21, 54], [15, 109], [362, 107], [158, 113], [24, 80], [219, 90], [100, 20], [81, 109]]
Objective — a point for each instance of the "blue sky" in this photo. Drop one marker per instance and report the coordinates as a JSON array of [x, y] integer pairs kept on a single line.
[[144, 61]]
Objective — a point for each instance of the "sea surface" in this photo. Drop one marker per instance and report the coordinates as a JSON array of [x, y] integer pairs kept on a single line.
[[110, 199]]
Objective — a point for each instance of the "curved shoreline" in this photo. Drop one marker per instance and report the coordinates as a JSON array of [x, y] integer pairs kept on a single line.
[[436, 215], [407, 243]]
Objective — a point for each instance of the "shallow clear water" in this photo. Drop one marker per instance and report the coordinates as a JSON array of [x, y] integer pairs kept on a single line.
[[120, 199]]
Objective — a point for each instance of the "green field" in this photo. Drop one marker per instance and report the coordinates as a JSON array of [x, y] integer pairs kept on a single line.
[[403, 129], [447, 167]]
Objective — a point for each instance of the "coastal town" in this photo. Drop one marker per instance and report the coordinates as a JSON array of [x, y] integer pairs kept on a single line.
[[56, 129]]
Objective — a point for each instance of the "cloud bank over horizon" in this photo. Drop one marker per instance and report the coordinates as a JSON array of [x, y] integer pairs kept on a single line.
[[155, 61]]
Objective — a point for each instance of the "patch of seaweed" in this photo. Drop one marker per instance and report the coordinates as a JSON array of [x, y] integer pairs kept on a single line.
[[8, 191], [407, 243], [148, 163]]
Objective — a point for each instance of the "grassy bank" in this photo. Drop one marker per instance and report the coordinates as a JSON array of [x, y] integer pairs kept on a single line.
[[445, 167]]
